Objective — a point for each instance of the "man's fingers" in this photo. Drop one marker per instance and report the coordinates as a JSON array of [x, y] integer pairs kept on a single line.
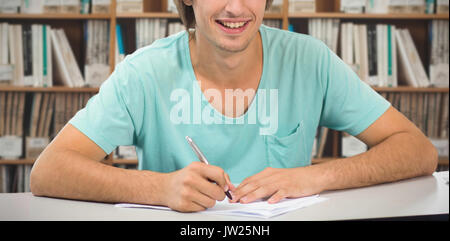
[[210, 189], [259, 193], [231, 187], [214, 174], [192, 201], [242, 191], [277, 197]]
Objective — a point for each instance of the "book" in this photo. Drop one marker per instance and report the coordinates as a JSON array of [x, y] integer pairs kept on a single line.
[[96, 67], [416, 6], [150, 30], [129, 6], [353, 6], [326, 30], [10, 6], [276, 7], [377, 6], [441, 6], [70, 6], [411, 68], [52, 6], [302, 6], [100, 6], [439, 59], [67, 70], [398, 6], [32, 6]]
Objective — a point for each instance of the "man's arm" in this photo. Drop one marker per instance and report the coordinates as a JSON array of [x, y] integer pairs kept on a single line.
[[398, 150], [70, 168]]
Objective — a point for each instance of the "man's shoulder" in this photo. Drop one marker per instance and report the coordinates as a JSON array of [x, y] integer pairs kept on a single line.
[[280, 34], [159, 51], [291, 41]]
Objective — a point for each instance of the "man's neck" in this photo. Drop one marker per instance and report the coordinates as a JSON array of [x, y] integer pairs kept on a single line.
[[223, 68]]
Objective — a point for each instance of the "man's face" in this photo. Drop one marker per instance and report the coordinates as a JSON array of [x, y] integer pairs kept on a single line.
[[229, 25]]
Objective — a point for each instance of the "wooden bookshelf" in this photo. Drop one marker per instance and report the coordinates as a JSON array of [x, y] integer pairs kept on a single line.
[[411, 89], [57, 89], [55, 16], [369, 16], [73, 25]]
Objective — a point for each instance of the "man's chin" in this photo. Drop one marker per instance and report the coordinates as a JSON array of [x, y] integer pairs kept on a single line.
[[233, 48]]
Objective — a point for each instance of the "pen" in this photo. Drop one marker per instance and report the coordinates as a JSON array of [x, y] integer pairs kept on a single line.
[[202, 158]]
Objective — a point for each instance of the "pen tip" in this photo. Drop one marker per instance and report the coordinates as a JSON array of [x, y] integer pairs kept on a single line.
[[188, 138]]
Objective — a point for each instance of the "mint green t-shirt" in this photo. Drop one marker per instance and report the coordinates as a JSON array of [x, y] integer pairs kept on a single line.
[[153, 101]]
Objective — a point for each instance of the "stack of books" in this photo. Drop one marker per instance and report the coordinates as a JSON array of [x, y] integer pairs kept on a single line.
[[27, 50], [302, 6], [394, 6], [55, 6], [96, 66]]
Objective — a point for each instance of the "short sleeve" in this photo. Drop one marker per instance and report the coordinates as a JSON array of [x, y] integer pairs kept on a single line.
[[113, 117], [349, 104]]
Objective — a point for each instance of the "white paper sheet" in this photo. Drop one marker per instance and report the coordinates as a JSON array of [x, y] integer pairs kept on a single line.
[[258, 209]]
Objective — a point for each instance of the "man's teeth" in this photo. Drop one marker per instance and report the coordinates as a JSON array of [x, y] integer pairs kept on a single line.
[[233, 25]]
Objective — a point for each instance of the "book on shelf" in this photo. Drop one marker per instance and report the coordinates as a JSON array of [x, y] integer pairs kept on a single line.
[[66, 68], [276, 7], [411, 66], [120, 48], [353, 6], [96, 67], [126, 152], [371, 51], [319, 143], [10, 6], [130, 6], [442, 6], [175, 27], [12, 111], [377, 6], [352, 146], [27, 48], [326, 30], [439, 48], [100, 6], [273, 23], [46, 115], [428, 111], [171, 7], [302, 6], [150, 30], [394, 6]]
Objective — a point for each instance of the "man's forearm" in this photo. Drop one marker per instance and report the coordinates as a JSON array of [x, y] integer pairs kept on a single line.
[[401, 156], [68, 174]]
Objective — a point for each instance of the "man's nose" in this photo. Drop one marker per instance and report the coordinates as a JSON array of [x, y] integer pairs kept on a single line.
[[234, 8]]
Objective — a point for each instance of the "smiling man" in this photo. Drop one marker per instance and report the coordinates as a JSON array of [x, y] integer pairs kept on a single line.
[[227, 50]]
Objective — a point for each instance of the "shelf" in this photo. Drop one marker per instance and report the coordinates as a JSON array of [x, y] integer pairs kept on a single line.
[[369, 16], [17, 162], [54, 16], [59, 89], [176, 16], [411, 89], [95, 90], [148, 15]]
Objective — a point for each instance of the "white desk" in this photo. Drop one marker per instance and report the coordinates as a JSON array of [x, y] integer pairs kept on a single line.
[[414, 197]]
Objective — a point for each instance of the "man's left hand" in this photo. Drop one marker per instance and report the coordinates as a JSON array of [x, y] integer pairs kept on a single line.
[[277, 184]]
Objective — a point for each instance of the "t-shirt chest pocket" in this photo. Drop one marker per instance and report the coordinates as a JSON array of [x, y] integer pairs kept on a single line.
[[288, 151]]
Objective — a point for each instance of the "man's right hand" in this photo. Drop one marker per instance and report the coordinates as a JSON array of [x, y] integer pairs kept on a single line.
[[195, 187]]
